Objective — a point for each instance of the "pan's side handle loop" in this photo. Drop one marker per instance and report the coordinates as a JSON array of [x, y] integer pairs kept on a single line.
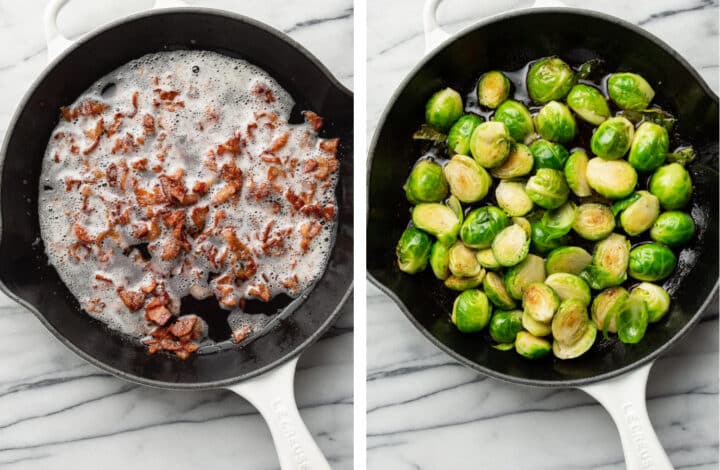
[[624, 399], [434, 34], [273, 395]]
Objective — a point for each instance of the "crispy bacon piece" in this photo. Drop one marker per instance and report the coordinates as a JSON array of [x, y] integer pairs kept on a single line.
[[150, 287], [134, 104], [173, 187], [159, 315], [78, 251], [139, 230], [330, 145], [291, 283], [95, 305], [102, 278], [148, 124], [140, 164], [315, 121], [82, 234], [86, 108], [308, 231], [124, 144], [95, 133], [182, 326], [264, 92], [260, 291], [231, 146], [115, 126], [72, 182], [225, 193], [309, 165], [278, 143], [133, 300], [240, 335], [167, 99], [198, 216], [295, 201], [171, 248]]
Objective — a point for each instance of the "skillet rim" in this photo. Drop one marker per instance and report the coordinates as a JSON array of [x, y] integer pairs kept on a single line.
[[439, 49], [77, 43]]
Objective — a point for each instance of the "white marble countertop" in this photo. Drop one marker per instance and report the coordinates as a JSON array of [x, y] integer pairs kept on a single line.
[[425, 411], [56, 411]]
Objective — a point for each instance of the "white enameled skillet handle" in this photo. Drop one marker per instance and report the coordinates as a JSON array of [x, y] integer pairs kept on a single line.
[[624, 398], [56, 42], [434, 34], [273, 395]]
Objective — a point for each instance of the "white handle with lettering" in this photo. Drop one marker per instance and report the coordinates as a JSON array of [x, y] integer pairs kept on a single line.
[[56, 42], [273, 395], [624, 398]]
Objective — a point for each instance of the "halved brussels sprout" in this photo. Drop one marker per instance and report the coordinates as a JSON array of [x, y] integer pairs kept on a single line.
[[516, 118], [518, 163], [486, 258], [560, 221], [579, 347], [610, 263], [607, 306], [492, 89], [443, 109], [544, 240], [511, 245], [413, 250], [523, 223], [512, 198], [649, 147], [547, 188], [469, 182], [567, 259], [612, 139], [568, 324], [471, 311], [531, 270], [531, 347], [656, 298], [540, 302], [556, 123], [569, 286], [672, 185], [464, 283], [462, 261], [594, 221], [630, 91], [549, 79], [673, 228], [640, 213], [458, 139], [490, 144], [632, 322], [588, 103], [651, 262], [575, 173], [548, 154], [439, 260], [454, 203], [503, 346], [536, 328], [482, 225], [614, 179], [505, 325], [494, 288], [437, 219], [426, 183]]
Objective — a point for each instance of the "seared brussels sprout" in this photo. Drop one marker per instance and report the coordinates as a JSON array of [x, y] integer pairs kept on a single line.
[[651, 262], [560, 221], [518, 163], [540, 302], [607, 306], [426, 183], [578, 348], [547, 188], [413, 250], [524, 223], [511, 245], [469, 182], [436, 219], [556, 123], [656, 298], [612, 139], [594, 221], [482, 225], [454, 203], [630, 91], [486, 258], [549, 79], [471, 311], [464, 283], [490, 144], [503, 346], [673, 228], [589, 104], [531, 347], [458, 139], [672, 185], [512, 198], [439, 261], [492, 89], [632, 320], [548, 154], [569, 322], [505, 325], [531, 270], [575, 173], [544, 240], [567, 259], [462, 261], [614, 179], [494, 288], [536, 328], [569, 286], [610, 263], [640, 213], [443, 109], [649, 147], [516, 118]]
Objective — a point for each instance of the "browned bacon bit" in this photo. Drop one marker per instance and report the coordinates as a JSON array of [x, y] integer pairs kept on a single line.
[[225, 193], [198, 216], [278, 143], [134, 104], [266, 232], [231, 173], [276, 208], [231, 146], [267, 158], [95, 133], [261, 192], [260, 291], [173, 187], [133, 300], [170, 345], [234, 242], [59, 135], [78, 251], [102, 278], [139, 230], [158, 315], [56, 157], [71, 182], [329, 212], [308, 232], [111, 175], [295, 201], [249, 130], [315, 121], [148, 124], [291, 283], [95, 306], [149, 287], [240, 335], [182, 326], [140, 164], [171, 248], [262, 90], [200, 187], [124, 144], [86, 108], [330, 145], [309, 165], [144, 197], [190, 199], [82, 234], [115, 126]]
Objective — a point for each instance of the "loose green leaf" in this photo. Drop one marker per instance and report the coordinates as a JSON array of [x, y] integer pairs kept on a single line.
[[427, 132]]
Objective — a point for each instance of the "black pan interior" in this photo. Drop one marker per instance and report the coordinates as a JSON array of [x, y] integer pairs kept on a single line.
[[508, 43], [24, 270]]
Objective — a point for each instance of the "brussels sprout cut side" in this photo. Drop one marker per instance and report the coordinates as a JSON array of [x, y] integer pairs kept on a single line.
[[462, 261], [490, 144], [413, 250], [607, 306], [464, 283], [517, 278], [494, 288], [567, 259], [640, 213], [471, 311], [657, 300], [518, 163], [579, 347], [614, 179], [443, 109], [492, 89], [426, 183], [468, 181], [511, 246], [438, 220], [610, 263], [512, 198], [594, 221], [589, 104], [570, 321], [576, 173], [458, 139], [540, 302], [569, 286]]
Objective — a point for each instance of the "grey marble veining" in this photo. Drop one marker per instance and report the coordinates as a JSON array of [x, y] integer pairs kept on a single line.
[[58, 412], [425, 411]]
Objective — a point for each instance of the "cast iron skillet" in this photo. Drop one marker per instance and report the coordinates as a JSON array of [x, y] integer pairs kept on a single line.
[[508, 42], [24, 271]]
